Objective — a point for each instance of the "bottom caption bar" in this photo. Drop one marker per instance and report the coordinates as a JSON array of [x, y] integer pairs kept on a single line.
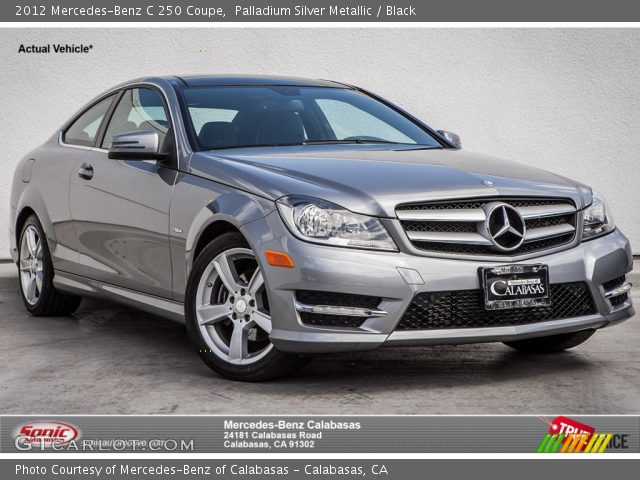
[[406, 469]]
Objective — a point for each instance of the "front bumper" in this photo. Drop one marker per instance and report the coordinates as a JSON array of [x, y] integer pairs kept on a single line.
[[392, 277]]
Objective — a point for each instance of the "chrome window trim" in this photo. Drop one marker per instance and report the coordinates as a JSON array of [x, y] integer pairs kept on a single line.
[[62, 143]]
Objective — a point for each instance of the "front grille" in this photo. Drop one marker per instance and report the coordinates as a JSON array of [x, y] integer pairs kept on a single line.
[[457, 227], [483, 250], [465, 309], [316, 297]]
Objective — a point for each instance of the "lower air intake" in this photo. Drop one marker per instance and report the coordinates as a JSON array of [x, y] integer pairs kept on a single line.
[[465, 309]]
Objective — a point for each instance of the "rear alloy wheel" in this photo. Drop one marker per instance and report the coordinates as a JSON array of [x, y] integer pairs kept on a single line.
[[35, 269], [553, 343], [31, 265], [228, 316]]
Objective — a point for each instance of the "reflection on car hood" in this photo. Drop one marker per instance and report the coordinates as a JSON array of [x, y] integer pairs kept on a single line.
[[373, 179]]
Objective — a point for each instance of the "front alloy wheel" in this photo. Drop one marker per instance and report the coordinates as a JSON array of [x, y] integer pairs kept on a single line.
[[228, 316], [232, 308]]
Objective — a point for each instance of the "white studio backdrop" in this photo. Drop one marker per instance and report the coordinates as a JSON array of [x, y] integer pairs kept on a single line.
[[564, 99]]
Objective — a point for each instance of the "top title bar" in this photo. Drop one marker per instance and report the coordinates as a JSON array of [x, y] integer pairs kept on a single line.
[[212, 11]]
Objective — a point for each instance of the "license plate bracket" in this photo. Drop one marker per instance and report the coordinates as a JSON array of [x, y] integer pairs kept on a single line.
[[515, 286]]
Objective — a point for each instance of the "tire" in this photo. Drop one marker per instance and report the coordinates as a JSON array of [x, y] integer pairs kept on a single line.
[[227, 314], [35, 271], [552, 344]]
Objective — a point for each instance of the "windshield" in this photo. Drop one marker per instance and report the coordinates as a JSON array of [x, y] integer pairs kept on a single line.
[[234, 117]]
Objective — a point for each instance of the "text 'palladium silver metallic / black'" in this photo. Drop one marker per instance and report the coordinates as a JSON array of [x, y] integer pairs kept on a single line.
[[283, 217]]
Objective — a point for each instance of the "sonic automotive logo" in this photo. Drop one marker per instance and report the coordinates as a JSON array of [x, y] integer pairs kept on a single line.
[[570, 436], [45, 434]]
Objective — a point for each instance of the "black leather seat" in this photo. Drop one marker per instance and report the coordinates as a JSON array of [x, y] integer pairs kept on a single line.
[[217, 135], [278, 128]]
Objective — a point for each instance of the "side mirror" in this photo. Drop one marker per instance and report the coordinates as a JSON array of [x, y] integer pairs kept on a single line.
[[139, 145], [451, 138]]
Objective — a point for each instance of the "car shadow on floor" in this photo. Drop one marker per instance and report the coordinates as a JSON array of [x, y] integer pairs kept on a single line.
[[383, 369]]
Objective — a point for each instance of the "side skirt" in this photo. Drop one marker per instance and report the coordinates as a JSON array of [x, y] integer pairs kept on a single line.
[[75, 284]]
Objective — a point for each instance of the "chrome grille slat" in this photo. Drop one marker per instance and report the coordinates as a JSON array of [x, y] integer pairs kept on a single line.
[[478, 215], [458, 226], [454, 215], [446, 237], [546, 210], [548, 232]]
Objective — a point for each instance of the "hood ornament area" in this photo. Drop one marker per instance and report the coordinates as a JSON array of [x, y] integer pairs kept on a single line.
[[504, 226], [488, 183]]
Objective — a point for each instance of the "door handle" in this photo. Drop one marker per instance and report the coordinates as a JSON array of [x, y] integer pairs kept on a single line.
[[86, 171]]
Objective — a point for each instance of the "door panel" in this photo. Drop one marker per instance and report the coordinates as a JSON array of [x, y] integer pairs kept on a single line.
[[120, 208], [121, 218], [56, 167]]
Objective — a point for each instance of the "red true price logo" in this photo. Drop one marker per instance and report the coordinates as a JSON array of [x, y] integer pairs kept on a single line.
[[569, 436], [570, 427]]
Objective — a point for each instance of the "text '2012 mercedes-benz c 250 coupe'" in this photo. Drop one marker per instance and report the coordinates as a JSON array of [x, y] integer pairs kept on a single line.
[[284, 217]]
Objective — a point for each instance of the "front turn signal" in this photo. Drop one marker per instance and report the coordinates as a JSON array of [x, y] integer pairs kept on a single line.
[[278, 259]]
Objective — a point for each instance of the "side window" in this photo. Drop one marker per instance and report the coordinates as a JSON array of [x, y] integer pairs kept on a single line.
[[138, 109], [84, 130], [348, 121]]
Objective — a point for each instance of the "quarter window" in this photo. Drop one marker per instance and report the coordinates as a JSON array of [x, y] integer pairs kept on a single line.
[[138, 109], [84, 129]]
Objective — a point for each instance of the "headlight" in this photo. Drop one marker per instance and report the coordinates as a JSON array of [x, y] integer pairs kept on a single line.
[[597, 219], [318, 221]]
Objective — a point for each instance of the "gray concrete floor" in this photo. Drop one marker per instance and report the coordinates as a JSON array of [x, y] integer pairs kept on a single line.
[[108, 359]]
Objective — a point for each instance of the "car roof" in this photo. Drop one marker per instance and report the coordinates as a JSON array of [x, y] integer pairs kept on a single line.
[[251, 80]]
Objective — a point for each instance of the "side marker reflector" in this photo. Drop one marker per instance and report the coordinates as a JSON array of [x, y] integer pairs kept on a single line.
[[278, 259]]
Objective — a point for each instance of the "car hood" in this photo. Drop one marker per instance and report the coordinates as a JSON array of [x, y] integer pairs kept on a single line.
[[372, 180]]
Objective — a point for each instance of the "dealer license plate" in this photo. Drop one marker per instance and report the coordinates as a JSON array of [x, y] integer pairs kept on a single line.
[[515, 286]]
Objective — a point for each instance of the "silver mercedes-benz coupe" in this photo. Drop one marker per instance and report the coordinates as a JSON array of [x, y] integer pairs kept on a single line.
[[284, 217]]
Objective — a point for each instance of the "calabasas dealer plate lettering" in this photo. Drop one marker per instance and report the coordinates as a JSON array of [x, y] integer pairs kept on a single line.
[[515, 286]]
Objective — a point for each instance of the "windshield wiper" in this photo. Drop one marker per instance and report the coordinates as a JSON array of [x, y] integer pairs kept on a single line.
[[354, 141], [325, 142], [262, 145], [427, 147]]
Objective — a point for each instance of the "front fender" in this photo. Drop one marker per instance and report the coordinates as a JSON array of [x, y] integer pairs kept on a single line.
[[201, 208], [236, 209]]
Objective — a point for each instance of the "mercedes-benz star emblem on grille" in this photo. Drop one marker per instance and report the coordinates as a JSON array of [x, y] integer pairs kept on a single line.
[[505, 226]]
